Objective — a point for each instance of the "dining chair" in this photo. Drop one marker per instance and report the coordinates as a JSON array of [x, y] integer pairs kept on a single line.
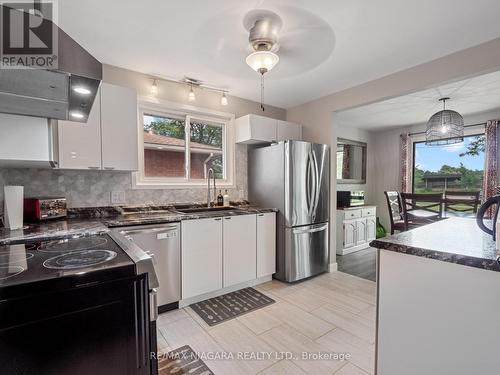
[[421, 209], [395, 214], [461, 201]]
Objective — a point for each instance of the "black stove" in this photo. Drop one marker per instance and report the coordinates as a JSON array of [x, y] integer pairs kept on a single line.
[[68, 296], [76, 259]]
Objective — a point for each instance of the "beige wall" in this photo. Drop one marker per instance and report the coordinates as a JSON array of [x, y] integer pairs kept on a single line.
[[177, 92]]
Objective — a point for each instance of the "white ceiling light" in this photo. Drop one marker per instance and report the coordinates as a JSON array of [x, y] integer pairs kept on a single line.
[[262, 61], [82, 90], [77, 115], [223, 99], [191, 95], [154, 88], [444, 127], [263, 39]]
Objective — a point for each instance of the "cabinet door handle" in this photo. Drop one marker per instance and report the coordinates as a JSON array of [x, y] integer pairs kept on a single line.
[[93, 167], [218, 219], [261, 215], [109, 168], [227, 218]]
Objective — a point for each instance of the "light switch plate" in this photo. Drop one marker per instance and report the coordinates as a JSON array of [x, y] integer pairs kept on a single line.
[[118, 197]]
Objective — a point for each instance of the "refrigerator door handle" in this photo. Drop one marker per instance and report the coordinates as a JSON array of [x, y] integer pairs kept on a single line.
[[312, 230], [309, 199], [318, 183], [313, 181]]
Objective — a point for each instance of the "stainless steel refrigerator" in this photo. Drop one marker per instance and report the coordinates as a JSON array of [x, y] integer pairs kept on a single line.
[[294, 177]]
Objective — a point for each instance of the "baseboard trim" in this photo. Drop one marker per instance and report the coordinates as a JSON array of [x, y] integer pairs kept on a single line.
[[216, 293], [353, 249]]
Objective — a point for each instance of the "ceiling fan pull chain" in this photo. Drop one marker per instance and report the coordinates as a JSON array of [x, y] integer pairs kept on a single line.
[[262, 92]]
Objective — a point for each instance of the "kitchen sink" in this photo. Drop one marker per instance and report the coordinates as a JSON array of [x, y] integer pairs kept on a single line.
[[193, 210]]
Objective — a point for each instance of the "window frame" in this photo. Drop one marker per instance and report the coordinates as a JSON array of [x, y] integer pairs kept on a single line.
[[414, 142], [170, 109]]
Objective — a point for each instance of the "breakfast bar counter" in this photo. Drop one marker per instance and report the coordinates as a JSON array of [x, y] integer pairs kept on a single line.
[[438, 301]]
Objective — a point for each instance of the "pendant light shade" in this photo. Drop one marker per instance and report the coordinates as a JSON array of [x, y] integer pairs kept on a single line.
[[262, 61], [444, 127]]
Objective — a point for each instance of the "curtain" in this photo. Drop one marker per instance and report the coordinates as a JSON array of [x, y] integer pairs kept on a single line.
[[490, 179], [346, 173], [406, 163]]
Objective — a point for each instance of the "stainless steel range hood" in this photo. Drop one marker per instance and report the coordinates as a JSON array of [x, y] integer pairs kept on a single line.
[[51, 93]]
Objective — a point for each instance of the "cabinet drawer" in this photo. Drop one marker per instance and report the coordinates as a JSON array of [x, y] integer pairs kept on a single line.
[[352, 214], [368, 211]]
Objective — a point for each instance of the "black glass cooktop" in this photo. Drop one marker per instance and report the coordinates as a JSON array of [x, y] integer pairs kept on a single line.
[[83, 259]]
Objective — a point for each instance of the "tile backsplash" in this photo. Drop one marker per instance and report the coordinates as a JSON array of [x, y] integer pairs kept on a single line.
[[84, 188]]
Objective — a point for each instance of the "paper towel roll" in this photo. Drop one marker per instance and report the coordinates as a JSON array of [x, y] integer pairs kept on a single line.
[[13, 206]]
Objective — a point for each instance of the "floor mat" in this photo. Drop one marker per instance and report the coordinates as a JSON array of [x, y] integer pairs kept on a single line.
[[182, 361], [229, 306]]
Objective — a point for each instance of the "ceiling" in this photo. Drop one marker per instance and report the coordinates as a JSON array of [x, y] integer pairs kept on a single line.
[[468, 97], [326, 45]]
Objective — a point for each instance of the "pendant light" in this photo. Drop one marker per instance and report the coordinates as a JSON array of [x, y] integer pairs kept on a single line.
[[223, 99], [444, 127], [191, 95], [154, 88]]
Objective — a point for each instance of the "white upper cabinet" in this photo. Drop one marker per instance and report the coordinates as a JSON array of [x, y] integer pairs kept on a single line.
[[119, 128], [109, 138], [80, 143], [254, 129], [288, 130]]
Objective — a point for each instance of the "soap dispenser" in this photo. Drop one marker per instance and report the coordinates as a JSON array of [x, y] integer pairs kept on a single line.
[[226, 199]]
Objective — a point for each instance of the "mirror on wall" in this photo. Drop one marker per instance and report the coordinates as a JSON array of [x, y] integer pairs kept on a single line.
[[351, 162]]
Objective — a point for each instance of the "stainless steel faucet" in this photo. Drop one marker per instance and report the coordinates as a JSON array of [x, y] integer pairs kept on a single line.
[[210, 172]]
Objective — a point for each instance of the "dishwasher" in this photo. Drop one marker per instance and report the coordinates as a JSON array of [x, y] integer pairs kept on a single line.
[[162, 243]]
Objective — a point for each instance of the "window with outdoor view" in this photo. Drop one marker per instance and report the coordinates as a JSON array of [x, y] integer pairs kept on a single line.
[[452, 168], [182, 147]]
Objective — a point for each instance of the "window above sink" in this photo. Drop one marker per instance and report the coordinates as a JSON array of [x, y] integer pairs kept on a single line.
[[178, 144]]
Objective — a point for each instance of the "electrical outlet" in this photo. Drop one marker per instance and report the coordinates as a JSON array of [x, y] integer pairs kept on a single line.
[[118, 197]]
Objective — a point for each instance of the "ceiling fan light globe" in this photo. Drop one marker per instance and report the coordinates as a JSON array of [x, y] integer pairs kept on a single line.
[[262, 61]]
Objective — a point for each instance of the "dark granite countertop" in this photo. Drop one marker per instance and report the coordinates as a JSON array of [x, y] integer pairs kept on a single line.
[[52, 230], [89, 221], [454, 240]]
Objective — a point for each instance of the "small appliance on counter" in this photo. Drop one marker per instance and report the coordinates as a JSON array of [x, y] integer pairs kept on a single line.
[[41, 209], [350, 198]]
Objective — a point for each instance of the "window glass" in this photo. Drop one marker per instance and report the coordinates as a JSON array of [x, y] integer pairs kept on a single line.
[[164, 146], [206, 149], [457, 167]]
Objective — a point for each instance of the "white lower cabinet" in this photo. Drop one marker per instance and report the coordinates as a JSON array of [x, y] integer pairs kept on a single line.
[[356, 228], [266, 244], [201, 256], [371, 228], [239, 249], [349, 234], [360, 231], [222, 252]]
